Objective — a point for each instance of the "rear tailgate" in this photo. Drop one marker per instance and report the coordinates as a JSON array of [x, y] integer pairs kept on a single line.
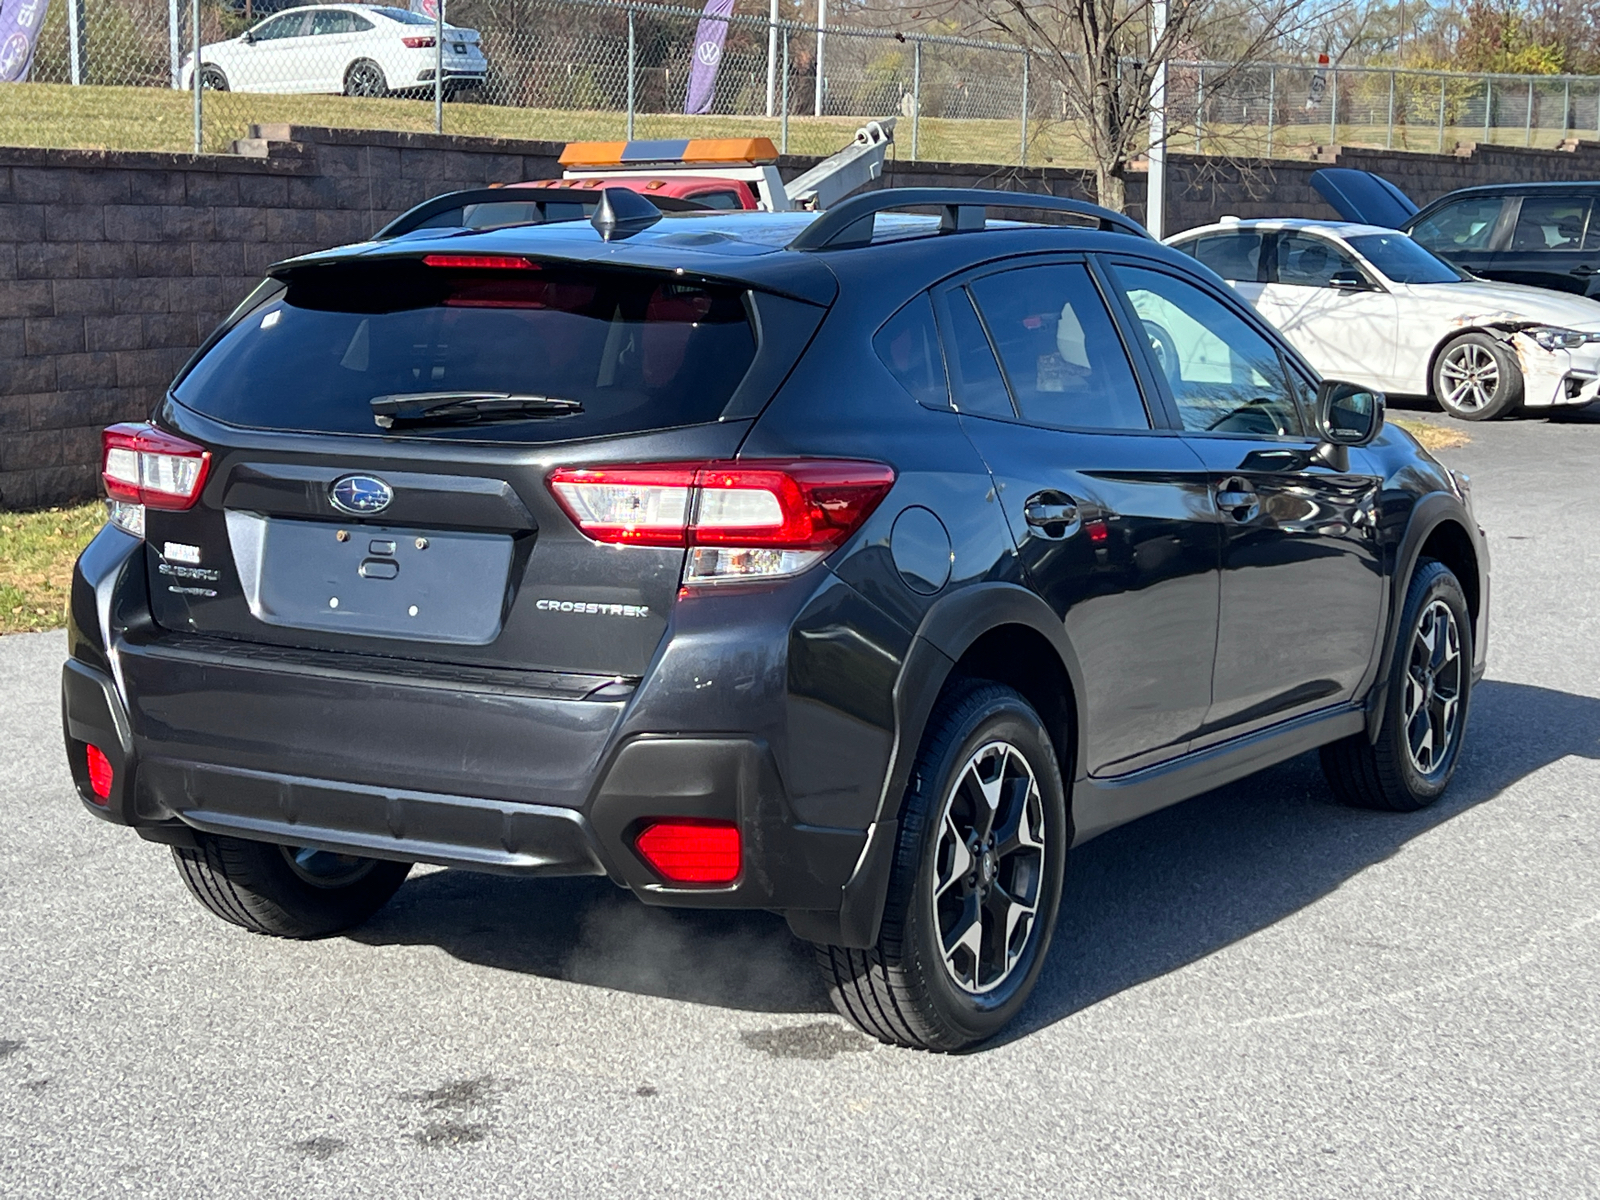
[[441, 540]]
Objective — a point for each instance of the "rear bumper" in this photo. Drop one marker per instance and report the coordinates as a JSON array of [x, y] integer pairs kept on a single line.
[[236, 749]]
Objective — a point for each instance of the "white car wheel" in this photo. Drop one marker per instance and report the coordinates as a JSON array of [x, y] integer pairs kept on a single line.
[[365, 78], [1476, 378]]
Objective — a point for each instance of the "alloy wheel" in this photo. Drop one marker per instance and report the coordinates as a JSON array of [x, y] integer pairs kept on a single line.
[[366, 80], [989, 868], [1471, 377], [323, 868], [1433, 689]]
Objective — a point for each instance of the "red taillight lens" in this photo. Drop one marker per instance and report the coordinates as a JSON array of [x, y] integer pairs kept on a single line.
[[144, 465], [100, 773], [417, 43], [692, 851], [805, 504], [479, 262]]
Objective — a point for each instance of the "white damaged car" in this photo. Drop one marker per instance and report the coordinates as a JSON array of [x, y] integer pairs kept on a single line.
[[1372, 306]]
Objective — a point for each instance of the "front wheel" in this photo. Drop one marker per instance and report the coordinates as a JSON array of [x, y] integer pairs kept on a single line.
[[286, 891], [1477, 378], [975, 885], [365, 78], [1425, 713]]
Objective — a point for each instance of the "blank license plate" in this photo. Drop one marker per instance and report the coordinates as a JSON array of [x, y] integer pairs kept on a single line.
[[382, 582]]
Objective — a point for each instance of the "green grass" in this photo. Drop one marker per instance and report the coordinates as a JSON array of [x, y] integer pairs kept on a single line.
[[1431, 435], [37, 550]]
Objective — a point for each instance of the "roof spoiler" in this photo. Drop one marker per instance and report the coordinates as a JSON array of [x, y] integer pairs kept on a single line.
[[850, 223], [1363, 197], [521, 205]]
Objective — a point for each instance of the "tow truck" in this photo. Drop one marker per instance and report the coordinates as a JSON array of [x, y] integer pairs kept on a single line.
[[675, 175]]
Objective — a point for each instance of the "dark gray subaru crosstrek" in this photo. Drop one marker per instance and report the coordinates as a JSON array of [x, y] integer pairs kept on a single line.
[[852, 566]]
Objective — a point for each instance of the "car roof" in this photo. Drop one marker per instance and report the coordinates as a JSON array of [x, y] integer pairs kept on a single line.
[[1517, 189], [744, 247], [1340, 229]]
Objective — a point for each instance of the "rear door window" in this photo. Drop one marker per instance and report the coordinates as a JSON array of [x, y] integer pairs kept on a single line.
[[1550, 223], [1062, 356], [1235, 256], [976, 380], [637, 350]]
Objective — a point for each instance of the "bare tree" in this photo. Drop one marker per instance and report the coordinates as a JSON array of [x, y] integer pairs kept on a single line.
[[1099, 53]]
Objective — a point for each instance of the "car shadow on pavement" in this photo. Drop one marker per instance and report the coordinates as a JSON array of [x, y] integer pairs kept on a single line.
[[1140, 901], [1150, 897]]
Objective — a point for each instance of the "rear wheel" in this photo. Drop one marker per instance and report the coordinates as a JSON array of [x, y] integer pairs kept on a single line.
[[1425, 713], [975, 884], [1477, 378], [365, 78], [286, 891], [212, 79]]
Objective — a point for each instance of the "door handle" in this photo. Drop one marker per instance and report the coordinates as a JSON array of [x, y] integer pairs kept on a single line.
[[1052, 513], [1237, 498]]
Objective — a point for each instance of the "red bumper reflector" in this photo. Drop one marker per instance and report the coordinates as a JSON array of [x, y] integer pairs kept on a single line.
[[691, 851], [100, 773]]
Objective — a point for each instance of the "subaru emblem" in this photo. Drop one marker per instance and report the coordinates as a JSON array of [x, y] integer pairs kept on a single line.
[[360, 495]]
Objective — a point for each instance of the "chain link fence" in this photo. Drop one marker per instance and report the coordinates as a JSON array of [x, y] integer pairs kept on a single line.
[[117, 73]]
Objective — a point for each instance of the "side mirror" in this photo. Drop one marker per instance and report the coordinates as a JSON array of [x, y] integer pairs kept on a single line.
[[1349, 280], [1348, 414], [248, 37]]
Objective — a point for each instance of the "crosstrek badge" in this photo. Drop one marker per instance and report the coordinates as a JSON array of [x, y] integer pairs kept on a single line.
[[594, 610]]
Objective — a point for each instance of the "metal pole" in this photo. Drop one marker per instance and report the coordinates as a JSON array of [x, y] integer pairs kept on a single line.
[[1026, 57], [633, 60], [75, 39], [1527, 125], [1155, 194], [1441, 115], [194, 76], [1488, 104], [1333, 107], [822, 37], [916, 94], [1272, 102], [438, 66], [783, 141], [1388, 142], [772, 53], [1566, 108], [175, 42], [1200, 111]]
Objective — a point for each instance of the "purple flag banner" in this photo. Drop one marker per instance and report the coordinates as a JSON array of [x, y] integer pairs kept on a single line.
[[20, 22], [708, 39]]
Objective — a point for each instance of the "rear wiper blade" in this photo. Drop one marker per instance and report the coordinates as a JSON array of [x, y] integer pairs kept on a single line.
[[415, 407]]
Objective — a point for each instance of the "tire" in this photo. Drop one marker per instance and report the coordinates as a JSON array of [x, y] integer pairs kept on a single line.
[[1476, 378], [1429, 692], [365, 78], [905, 990], [212, 79], [286, 891]]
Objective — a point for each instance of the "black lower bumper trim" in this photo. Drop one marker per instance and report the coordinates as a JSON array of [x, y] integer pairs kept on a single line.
[[459, 831]]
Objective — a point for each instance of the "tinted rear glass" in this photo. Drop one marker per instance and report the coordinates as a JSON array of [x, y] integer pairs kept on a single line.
[[639, 351]]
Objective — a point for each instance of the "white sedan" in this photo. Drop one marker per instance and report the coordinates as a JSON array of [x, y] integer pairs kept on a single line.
[[357, 49], [1371, 306]]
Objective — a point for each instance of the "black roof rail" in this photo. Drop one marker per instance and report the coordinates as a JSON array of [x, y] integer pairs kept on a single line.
[[849, 223], [449, 211]]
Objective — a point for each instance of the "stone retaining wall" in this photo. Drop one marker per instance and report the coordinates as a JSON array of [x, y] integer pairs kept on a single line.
[[115, 265]]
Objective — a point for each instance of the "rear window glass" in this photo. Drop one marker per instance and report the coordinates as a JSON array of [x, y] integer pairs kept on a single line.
[[638, 351]]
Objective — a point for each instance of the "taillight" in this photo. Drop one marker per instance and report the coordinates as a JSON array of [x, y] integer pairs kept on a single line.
[[744, 520], [417, 43], [100, 773], [144, 465], [686, 850]]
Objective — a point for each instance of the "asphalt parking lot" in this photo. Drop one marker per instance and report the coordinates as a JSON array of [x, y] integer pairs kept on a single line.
[[1257, 993]]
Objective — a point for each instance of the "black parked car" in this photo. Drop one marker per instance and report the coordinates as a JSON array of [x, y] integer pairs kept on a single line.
[[852, 566], [1540, 234]]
